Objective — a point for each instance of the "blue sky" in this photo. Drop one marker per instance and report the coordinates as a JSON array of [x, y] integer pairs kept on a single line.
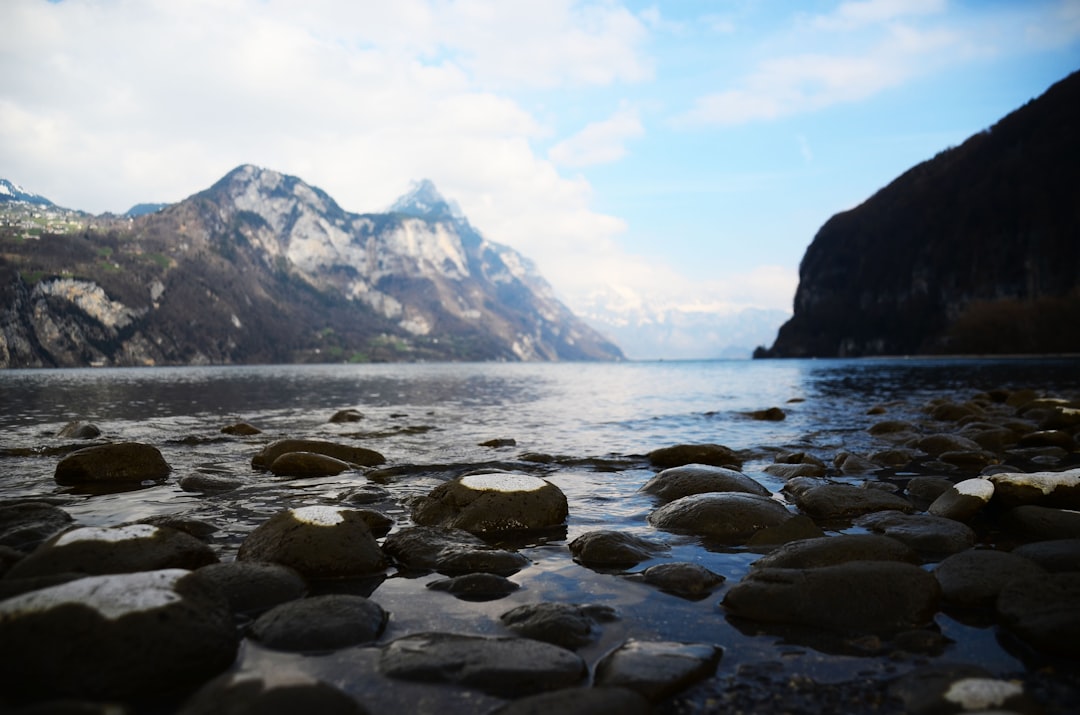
[[645, 155]]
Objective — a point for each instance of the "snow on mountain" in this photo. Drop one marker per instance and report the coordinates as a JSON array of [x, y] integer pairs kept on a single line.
[[10, 191]]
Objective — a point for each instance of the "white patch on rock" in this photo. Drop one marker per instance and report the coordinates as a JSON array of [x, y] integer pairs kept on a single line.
[[1046, 482], [236, 321], [111, 534], [112, 596], [499, 482], [982, 693], [979, 488], [91, 299], [318, 515], [416, 325]]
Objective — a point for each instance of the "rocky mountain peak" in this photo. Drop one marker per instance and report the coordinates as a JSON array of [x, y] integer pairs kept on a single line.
[[10, 191], [271, 194], [424, 201]]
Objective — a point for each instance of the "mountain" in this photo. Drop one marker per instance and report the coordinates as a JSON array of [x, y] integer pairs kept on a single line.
[[264, 268], [973, 251], [143, 209], [10, 192]]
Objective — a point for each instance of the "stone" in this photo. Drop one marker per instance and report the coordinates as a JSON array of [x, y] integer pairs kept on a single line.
[[346, 416], [836, 502], [790, 471], [1044, 611], [993, 439], [504, 667], [657, 669], [716, 455], [316, 541], [729, 517], [852, 597], [1042, 522], [949, 688], [114, 549], [769, 414], [353, 455], [79, 430], [973, 578], [931, 536], [832, 550], [241, 429], [1049, 438], [937, 444], [892, 427], [894, 457], [25, 525], [562, 624], [798, 527], [849, 463], [208, 483], [367, 494], [686, 580], [1055, 489], [115, 636], [925, 490], [270, 693], [963, 500], [450, 551], [252, 586], [307, 464], [493, 502], [1054, 555], [579, 701], [320, 623], [201, 530], [677, 482], [498, 443], [126, 462], [476, 586], [613, 549]]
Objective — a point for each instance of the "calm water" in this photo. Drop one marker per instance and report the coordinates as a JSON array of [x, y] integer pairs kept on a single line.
[[438, 414]]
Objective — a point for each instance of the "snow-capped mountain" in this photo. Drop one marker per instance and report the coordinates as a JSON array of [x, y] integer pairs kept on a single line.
[[10, 191]]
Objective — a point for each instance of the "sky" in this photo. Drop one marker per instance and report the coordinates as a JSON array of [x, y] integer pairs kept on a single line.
[[647, 154]]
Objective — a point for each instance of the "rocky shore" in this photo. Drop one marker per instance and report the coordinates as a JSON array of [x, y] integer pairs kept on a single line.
[[856, 581]]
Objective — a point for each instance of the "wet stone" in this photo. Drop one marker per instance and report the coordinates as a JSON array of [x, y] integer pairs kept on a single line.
[[613, 549], [831, 550], [115, 549], [25, 525], [657, 669], [727, 517], [476, 586], [241, 429], [253, 586], [1056, 489], [973, 578], [579, 701], [79, 430], [938, 444], [562, 624], [1044, 611], [346, 416], [450, 551], [352, 455], [272, 693], [307, 464], [1042, 522], [931, 536], [925, 490], [208, 483], [201, 530], [507, 667], [127, 462], [316, 541], [712, 454], [834, 502], [964, 500], [115, 636], [677, 482], [849, 463], [367, 494], [493, 502], [1054, 555], [851, 597], [686, 580], [320, 623], [789, 471], [958, 688]]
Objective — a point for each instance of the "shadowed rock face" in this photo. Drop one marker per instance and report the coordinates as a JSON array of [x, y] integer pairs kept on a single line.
[[973, 251]]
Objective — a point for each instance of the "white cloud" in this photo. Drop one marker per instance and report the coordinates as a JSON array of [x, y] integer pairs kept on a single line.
[[858, 14], [600, 142]]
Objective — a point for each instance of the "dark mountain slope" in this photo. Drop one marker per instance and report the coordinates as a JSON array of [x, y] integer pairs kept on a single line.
[[976, 250]]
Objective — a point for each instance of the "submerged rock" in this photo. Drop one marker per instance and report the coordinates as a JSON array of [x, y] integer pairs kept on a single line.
[[832, 550], [320, 623], [353, 455], [114, 549], [115, 636], [613, 549], [728, 517], [307, 464], [677, 482], [716, 455], [450, 551], [79, 430], [208, 483], [850, 597], [686, 580], [493, 502], [562, 624], [316, 541], [476, 586], [657, 669], [506, 667], [241, 429], [127, 462]]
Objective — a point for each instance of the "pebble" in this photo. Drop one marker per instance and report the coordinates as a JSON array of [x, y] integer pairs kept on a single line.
[[932, 536], [320, 623], [79, 430], [607, 549], [677, 482], [493, 502], [307, 464], [359, 456], [835, 502], [252, 587], [450, 551], [476, 586], [716, 455], [657, 669], [1056, 489], [1035, 523], [728, 517], [686, 580], [567, 625]]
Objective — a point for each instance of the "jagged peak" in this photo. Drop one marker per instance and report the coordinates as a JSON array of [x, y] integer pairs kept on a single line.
[[423, 200], [248, 179], [10, 191]]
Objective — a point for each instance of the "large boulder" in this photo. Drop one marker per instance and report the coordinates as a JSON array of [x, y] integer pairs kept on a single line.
[[677, 482], [493, 502], [316, 541], [359, 456], [728, 517], [114, 549], [115, 637], [450, 551], [851, 597], [125, 462]]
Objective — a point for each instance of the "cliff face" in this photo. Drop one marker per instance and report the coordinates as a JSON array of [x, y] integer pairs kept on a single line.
[[976, 250], [262, 267]]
